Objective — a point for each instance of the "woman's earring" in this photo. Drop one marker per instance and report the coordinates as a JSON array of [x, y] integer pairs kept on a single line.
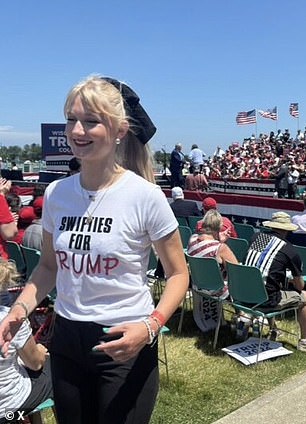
[[118, 141]]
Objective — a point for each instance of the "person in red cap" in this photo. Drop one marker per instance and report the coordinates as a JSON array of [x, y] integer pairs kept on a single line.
[[26, 217], [32, 236], [227, 229]]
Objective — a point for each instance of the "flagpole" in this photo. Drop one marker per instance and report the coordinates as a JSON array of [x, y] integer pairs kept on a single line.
[[256, 124]]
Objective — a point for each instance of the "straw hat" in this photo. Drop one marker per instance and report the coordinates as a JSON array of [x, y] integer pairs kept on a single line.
[[282, 221]]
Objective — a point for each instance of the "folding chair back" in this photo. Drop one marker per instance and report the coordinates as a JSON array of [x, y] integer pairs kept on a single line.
[[15, 253], [31, 257], [182, 220], [246, 284], [185, 233], [245, 231], [302, 253], [205, 273], [239, 247], [193, 220]]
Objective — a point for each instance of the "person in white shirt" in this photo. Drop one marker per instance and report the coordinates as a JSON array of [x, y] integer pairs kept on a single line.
[[300, 220], [293, 177], [196, 157], [98, 230]]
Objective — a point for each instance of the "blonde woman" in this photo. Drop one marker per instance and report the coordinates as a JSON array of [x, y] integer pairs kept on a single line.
[[25, 377], [207, 243], [98, 227]]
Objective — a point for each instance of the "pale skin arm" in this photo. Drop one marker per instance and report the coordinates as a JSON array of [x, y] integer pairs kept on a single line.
[[227, 255], [41, 283], [33, 354], [135, 335], [8, 231]]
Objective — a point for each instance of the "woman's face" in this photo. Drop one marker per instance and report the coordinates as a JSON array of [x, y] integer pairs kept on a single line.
[[89, 136]]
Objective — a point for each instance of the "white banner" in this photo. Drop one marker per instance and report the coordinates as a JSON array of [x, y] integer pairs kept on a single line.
[[246, 352], [205, 312]]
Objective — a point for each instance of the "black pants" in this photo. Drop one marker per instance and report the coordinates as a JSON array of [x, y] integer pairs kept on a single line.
[[90, 387]]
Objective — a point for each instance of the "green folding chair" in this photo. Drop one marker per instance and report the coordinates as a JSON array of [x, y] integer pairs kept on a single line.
[[302, 253], [182, 220], [248, 294], [15, 253], [206, 275], [245, 231], [239, 247], [185, 233], [31, 257], [193, 220]]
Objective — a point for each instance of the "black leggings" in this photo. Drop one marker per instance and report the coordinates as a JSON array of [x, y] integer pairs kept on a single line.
[[90, 387]]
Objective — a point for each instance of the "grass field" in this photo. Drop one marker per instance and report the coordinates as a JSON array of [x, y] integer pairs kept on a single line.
[[205, 385]]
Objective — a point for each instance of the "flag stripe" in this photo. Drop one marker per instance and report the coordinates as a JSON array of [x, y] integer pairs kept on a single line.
[[269, 113], [244, 118], [294, 110]]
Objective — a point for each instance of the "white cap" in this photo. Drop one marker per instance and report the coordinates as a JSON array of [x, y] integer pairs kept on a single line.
[[177, 193]]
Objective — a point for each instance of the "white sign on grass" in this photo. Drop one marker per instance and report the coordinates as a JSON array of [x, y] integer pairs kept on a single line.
[[246, 352]]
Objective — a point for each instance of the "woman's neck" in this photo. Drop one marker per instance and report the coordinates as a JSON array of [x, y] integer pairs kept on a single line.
[[94, 179]]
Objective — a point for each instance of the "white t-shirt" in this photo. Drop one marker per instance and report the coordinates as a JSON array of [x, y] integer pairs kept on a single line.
[[102, 266], [196, 156], [299, 220], [15, 383]]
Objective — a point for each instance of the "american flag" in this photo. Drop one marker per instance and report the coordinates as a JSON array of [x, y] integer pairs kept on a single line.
[[263, 250], [269, 113], [294, 110], [244, 118]]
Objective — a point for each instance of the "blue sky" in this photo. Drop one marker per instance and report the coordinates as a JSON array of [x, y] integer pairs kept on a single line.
[[195, 65]]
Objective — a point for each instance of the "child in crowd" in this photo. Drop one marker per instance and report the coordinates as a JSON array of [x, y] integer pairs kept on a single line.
[[25, 379]]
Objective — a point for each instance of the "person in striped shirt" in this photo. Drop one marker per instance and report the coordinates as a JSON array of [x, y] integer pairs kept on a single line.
[[208, 245]]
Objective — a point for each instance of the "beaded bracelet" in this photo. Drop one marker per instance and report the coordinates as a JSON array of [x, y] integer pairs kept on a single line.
[[151, 333], [159, 326]]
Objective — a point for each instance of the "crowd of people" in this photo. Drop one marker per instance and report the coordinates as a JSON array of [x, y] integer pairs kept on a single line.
[[104, 349], [270, 156]]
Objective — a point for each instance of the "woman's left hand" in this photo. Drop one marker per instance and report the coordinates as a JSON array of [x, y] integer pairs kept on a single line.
[[134, 337]]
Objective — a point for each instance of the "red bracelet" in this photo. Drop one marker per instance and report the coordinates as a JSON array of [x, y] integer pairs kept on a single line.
[[159, 316]]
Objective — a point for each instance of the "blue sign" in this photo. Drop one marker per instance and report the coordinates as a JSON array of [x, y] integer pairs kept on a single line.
[[53, 140]]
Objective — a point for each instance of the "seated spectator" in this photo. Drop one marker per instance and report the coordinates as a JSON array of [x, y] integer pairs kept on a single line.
[[208, 245], [14, 203], [38, 191], [196, 181], [227, 228], [274, 255], [25, 379], [32, 236], [182, 207], [300, 220], [26, 217]]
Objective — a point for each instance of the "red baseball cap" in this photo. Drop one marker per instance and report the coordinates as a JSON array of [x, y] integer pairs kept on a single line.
[[209, 203], [26, 215], [37, 205]]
